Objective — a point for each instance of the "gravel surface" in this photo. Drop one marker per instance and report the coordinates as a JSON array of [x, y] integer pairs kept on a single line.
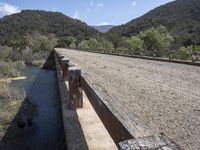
[[148, 96]]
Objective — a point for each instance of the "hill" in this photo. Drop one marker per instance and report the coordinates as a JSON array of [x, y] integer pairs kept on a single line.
[[103, 28], [181, 17], [29, 21]]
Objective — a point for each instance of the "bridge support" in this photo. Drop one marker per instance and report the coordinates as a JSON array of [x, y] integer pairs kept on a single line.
[[75, 89]]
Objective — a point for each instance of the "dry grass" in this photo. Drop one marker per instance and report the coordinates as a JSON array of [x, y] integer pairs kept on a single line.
[[10, 102], [11, 69], [39, 63], [9, 95]]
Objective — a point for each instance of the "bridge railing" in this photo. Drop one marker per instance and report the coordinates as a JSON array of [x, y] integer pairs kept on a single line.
[[175, 57], [77, 84]]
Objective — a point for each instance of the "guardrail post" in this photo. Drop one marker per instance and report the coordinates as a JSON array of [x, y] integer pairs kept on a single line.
[[75, 89], [65, 62], [60, 57]]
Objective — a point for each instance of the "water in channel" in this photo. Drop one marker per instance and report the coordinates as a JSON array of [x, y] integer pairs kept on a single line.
[[46, 132]]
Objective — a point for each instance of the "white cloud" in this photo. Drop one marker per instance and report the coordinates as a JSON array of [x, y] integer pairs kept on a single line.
[[76, 14], [7, 9], [100, 4], [54, 9], [103, 24], [96, 5], [91, 3], [134, 3]]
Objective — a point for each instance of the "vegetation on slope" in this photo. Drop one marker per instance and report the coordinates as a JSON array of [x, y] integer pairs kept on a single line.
[[181, 18], [29, 36], [154, 41], [30, 21]]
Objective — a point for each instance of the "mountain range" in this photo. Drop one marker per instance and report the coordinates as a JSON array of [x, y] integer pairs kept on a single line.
[[44, 22], [181, 17], [103, 28]]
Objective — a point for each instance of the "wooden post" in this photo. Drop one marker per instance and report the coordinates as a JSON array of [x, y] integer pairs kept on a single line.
[[69, 65], [65, 62], [75, 89], [60, 57]]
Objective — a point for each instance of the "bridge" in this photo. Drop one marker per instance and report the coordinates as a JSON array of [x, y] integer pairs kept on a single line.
[[114, 102]]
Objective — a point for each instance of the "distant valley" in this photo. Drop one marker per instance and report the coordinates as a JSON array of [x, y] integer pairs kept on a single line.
[[103, 28]]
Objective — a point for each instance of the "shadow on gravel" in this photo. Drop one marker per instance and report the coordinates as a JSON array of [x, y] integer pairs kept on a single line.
[[38, 123]]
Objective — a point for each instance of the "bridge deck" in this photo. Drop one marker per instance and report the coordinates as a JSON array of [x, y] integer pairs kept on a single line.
[[147, 96]]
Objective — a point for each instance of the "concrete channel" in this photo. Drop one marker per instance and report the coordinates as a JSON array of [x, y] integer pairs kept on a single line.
[[46, 131]]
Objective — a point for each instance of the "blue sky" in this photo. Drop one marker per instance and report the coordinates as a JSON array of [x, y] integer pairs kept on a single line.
[[93, 12]]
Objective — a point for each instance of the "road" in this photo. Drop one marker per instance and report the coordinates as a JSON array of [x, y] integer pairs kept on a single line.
[[147, 96]]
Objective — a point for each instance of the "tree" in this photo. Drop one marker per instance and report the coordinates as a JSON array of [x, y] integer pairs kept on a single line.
[[84, 44], [156, 40], [27, 55], [6, 52], [92, 43], [135, 43], [185, 52], [67, 42], [37, 42], [107, 45]]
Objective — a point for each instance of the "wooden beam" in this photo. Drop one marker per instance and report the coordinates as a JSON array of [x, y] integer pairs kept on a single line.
[[75, 89], [65, 62]]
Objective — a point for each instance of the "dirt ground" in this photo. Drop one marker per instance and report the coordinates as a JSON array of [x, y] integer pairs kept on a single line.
[[148, 96]]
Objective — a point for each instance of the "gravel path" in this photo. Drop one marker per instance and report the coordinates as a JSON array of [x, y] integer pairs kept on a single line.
[[148, 96]]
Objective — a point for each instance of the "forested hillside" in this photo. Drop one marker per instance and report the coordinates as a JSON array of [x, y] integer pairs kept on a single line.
[[30, 35], [181, 17], [33, 21]]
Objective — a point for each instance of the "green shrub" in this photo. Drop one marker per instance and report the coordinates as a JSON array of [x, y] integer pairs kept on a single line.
[[27, 55], [67, 42], [185, 53], [39, 63], [107, 45], [37, 42], [11, 101], [92, 43], [5, 52], [156, 40], [11, 69], [135, 43]]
